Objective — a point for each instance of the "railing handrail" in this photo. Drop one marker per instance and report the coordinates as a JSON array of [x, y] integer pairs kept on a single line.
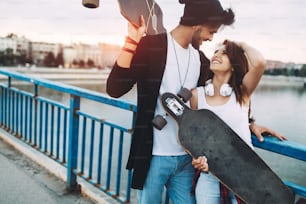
[[69, 89], [297, 150]]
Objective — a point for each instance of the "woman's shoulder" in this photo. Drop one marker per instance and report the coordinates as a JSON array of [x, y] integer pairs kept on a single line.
[[196, 93]]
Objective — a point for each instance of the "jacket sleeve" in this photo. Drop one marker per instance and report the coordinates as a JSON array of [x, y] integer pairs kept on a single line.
[[121, 80]]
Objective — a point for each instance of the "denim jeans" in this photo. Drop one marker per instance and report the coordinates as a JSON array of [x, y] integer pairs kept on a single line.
[[173, 172], [208, 190]]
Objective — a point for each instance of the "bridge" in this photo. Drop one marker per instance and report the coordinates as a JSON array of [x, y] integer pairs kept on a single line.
[[90, 147]]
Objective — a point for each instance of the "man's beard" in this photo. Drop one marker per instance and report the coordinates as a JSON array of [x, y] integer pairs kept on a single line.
[[195, 43]]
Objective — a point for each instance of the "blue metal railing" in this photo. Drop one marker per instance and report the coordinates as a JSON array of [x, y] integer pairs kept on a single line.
[[286, 148], [90, 147]]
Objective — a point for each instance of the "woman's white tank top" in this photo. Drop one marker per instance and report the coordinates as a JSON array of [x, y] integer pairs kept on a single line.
[[232, 113]]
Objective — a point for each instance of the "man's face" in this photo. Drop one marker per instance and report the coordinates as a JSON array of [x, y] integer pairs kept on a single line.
[[203, 33]]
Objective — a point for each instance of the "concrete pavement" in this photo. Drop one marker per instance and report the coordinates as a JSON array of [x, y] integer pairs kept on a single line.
[[23, 181], [26, 178]]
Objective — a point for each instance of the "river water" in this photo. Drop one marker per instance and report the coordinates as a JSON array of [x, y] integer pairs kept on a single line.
[[281, 105]]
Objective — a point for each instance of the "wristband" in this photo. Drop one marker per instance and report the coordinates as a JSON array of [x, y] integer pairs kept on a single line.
[[128, 39], [251, 120], [128, 50]]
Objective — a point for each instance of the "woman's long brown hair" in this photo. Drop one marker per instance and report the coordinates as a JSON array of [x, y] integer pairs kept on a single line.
[[240, 66]]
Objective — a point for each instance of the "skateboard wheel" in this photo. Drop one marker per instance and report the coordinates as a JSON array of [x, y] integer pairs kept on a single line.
[[159, 122], [185, 94]]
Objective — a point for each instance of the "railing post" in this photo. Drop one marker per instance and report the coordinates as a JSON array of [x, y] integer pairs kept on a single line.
[[9, 102], [73, 143], [1, 106], [35, 112]]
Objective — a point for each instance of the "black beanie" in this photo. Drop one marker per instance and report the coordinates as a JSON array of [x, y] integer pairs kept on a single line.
[[198, 12]]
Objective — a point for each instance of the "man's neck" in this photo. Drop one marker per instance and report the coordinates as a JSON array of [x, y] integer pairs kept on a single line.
[[182, 35]]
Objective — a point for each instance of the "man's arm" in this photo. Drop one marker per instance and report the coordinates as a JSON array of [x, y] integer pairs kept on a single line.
[[123, 75]]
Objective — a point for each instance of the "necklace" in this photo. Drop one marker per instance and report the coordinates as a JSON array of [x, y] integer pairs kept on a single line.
[[177, 62], [152, 15]]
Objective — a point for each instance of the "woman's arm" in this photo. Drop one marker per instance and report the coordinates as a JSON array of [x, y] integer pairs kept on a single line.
[[259, 131], [257, 65], [194, 99]]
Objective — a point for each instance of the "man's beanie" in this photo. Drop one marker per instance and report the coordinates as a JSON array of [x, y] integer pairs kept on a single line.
[[198, 12]]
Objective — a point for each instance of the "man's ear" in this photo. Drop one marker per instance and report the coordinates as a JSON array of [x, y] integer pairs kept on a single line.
[[196, 27]]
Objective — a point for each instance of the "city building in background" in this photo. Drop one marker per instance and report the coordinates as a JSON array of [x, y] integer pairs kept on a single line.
[[15, 50], [20, 51]]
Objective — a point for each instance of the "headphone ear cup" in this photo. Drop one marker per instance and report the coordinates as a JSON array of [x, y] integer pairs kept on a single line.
[[226, 90], [209, 89]]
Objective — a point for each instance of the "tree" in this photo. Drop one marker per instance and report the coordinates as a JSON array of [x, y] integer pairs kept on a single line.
[[74, 63], [49, 60], [11, 35], [59, 59], [90, 63], [81, 63], [8, 58], [303, 71], [2, 58], [22, 58]]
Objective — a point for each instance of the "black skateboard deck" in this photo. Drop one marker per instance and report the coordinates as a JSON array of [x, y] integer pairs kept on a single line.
[[152, 13], [230, 159]]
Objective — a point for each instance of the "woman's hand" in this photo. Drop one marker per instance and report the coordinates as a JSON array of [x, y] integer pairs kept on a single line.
[[259, 131], [200, 163]]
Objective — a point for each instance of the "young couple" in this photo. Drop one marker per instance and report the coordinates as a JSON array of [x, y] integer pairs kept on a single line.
[[166, 63]]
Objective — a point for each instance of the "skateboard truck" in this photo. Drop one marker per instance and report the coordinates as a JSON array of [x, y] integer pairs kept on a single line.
[[159, 121], [185, 94]]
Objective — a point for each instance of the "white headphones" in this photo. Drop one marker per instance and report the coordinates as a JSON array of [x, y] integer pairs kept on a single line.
[[225, 90]]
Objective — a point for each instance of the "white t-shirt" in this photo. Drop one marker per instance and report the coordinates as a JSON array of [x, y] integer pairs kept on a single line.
[[165, 141]]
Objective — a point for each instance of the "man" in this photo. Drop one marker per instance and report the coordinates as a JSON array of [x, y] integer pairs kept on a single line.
[[160, 63], [164, 63]]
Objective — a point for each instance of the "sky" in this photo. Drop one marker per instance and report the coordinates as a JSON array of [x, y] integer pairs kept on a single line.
[[277, 27]]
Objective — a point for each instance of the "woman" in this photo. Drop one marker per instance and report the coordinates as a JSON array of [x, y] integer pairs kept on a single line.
[[235, 71]]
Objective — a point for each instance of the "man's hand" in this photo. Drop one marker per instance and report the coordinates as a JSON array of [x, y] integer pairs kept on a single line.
[[200, 163], [260, 131], [136, 32]]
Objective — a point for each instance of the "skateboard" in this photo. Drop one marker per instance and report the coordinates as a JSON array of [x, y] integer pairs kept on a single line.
[[151, 11], [132, 9], [231, 160]]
